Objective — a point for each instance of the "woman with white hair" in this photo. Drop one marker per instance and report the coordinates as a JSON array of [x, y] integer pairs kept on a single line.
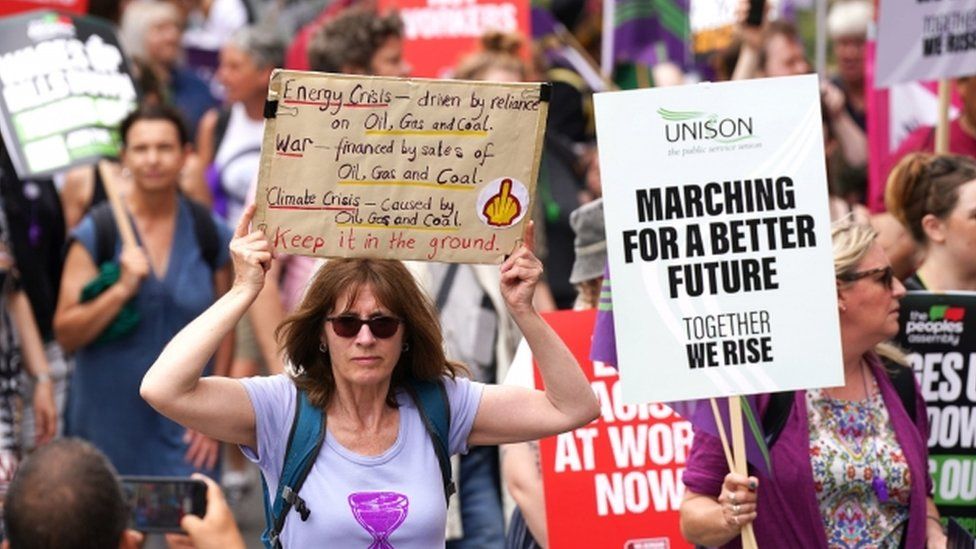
[[847, 25], [229, 139], [151, 32]]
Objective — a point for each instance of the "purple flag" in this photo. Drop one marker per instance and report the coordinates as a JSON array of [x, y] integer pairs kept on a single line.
[[649, 32], [604, 348]]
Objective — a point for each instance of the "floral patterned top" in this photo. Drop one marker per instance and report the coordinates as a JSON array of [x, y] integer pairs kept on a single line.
[[851, 441]]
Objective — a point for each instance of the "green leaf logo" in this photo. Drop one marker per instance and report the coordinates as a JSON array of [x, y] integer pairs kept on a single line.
[[678, 116]]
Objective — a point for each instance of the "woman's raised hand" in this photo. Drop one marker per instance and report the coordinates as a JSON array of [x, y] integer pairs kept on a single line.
[[250, 252], [520, 274]]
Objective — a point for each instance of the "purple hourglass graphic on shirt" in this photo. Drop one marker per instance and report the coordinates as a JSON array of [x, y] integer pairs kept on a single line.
[[380, 513]]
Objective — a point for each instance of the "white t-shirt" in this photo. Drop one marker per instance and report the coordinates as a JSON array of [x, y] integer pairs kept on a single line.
[[355, 501]]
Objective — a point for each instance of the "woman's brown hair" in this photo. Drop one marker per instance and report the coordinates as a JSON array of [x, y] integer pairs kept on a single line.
[[395, 288], [922, 184], [500, 50]]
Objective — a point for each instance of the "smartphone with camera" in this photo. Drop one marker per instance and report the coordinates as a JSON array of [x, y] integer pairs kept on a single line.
[[757, 9], [156, 504]]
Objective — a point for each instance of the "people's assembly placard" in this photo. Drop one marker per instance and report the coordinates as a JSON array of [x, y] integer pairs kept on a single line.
[[398, 168], [939, 331], [65, 88], [718, 236], [925, 40], [622, 472]]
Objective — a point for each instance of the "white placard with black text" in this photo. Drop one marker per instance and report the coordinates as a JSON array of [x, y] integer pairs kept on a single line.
[[719, 239], [925, 40]]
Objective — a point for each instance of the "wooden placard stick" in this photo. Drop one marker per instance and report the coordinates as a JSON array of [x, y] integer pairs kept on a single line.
[[942, 126], [741, 463], [720, 425], [118, 207]]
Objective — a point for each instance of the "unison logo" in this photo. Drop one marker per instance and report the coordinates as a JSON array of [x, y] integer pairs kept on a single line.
[[680, 126]]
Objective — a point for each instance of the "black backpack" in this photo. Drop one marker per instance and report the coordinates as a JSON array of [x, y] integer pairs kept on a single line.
[[107, 234], [780, 404]]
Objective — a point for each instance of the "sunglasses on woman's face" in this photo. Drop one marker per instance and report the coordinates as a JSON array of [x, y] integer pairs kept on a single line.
[[381, 327], [886, 279]]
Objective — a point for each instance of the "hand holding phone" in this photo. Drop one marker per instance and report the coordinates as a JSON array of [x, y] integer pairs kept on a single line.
[[157, 504], [217, 529]]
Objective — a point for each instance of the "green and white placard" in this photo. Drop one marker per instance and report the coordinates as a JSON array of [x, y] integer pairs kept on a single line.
[[719, 239]]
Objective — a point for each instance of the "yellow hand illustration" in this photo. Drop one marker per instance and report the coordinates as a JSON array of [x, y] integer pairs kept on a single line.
[[502, 208]]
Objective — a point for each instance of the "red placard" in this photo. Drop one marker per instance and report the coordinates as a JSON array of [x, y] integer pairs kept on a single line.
[[17, 6], [616, 482], [439, 33]]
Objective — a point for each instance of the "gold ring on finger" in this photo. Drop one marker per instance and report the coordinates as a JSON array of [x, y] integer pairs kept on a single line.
[[735, 508], [732, 497]]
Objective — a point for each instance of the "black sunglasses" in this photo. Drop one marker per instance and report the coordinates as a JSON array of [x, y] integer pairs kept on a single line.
[[349, 325], [887, 278]]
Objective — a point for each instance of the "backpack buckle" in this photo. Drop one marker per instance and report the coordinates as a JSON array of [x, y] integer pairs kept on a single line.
[[296, 501]]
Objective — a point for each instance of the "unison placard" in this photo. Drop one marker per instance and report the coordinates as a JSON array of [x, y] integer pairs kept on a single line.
[[718, 236]]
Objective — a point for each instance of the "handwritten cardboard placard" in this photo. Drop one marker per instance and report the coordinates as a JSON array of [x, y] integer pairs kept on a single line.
[[412, 169], [723, 249], [924, 41]]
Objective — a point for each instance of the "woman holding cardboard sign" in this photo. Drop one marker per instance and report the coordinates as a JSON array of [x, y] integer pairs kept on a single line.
[[367, 349], [849, 463]]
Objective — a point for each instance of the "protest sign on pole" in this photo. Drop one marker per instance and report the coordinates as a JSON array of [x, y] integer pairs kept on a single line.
[[925, 41], [622, 471], [8, 7], [718, 234], [428, 170], [939, 331], [65, 88], [439, 33]]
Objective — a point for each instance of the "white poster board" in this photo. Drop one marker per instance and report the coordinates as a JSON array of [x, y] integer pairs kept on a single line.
[[727, 179], [925, 40]]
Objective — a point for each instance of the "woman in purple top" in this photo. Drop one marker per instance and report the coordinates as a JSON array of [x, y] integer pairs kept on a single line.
[[363, 327], [850, 464]]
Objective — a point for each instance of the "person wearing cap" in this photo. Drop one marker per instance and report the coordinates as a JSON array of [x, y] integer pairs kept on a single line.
[[520, 462]]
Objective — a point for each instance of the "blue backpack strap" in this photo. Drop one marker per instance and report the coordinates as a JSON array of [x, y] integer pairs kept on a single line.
[[304, 444], [435, 411]]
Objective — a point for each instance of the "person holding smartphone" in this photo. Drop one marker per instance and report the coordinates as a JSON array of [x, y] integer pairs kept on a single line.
[[364, 328], [72, 480]]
